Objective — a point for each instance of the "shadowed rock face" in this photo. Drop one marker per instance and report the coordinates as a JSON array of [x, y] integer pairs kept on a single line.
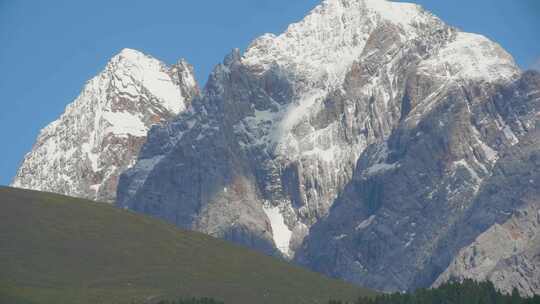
[[100, 134], [194, 173], [373, 128], [498, 236], [435, 187]]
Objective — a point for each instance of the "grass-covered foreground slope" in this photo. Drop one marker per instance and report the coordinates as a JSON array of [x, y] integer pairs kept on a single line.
[[57, 249]]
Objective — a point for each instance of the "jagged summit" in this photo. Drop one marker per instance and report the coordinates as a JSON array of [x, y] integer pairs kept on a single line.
[[334, 34], [99, 135], [154, 75], [130, 53], [127, 58], [396, 12]]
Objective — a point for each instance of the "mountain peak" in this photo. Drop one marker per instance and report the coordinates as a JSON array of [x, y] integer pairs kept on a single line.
[[233, 56], [130, 52], [131, 68], [396, 12], [333, 35], [130, 55], [101, 132]]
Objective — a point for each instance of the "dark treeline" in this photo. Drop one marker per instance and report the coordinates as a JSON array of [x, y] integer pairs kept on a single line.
[[192, 301], [468, 292]]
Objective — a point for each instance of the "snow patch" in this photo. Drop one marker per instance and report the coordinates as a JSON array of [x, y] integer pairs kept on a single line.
[[491, 155], [412, 236], [122, 123], [340, 237], [300, 109], [509, 134], [366, 223], [328, 155], [151, 74], [397, 13], [280, 231], [380, 168], [463, 163], [473, 56]]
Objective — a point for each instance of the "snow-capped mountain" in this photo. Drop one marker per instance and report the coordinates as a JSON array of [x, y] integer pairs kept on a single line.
[[369, 141], [365, 142], [100, 134], [359, 142]]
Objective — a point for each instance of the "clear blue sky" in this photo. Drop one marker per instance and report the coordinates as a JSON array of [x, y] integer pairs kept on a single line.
[[48, 49]]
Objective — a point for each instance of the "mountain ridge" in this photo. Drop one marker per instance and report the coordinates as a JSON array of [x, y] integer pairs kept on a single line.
[[369, 126], [287, 105]]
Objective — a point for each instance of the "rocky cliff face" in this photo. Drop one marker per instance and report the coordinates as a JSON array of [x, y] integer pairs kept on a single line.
[[370, 142], [100, 134], [450, 196], [280, 128], [499, 236]]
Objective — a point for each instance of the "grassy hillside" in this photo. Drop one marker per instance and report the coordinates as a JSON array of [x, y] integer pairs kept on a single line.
[[57, 249]]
